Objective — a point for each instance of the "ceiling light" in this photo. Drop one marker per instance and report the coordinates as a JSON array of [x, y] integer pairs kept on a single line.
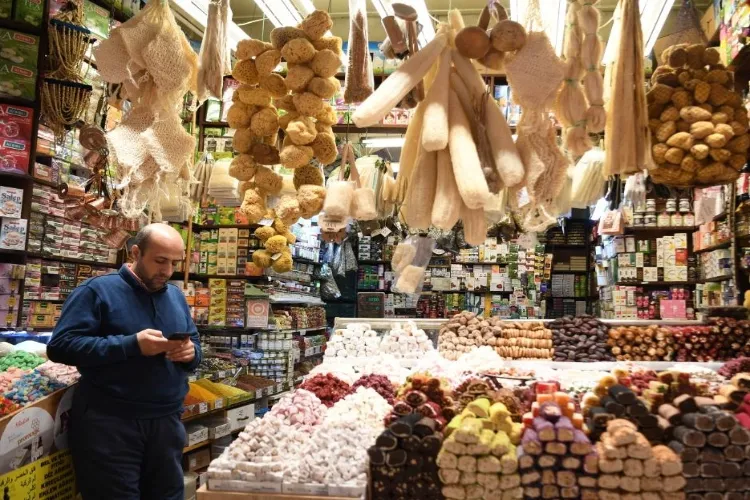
[[384, 142], [654, 14], [283, 13], [553, 18]]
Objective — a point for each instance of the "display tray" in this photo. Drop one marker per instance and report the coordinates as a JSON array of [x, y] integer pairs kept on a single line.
[[205, 494]]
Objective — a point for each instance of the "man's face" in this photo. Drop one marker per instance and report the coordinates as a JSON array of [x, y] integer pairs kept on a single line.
[[155, 266]]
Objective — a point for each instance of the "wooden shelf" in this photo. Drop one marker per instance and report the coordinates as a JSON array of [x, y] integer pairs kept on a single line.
[[633, 229], [197, 277], [4, 251], [21, 26], [718, 246], [716, 279], [342, 128], [35, 255], [225, 226], [656, 283], [46, 183], [566, 246], [14, 175], [205, 494], [554, 271]]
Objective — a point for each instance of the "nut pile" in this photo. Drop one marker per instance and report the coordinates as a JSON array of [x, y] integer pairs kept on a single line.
[[629, 465], [641, 343], [478, 458], [699, 125], [581, 338], [403, 460]]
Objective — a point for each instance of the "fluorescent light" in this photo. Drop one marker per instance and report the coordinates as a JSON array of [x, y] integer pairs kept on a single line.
[[196, 12], [384, 142], [553, 18], [283, 12], [383, 7], [654, 14]]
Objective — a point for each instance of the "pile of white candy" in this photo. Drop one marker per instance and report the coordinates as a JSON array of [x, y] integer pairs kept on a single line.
[[355, 341], [261, 452], [301, 409], [406, 342], [336, 453]]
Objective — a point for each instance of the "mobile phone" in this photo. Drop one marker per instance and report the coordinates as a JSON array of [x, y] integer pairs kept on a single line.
[[179, 336]]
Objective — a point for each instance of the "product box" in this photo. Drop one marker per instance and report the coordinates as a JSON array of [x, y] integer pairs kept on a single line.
[[15, 134], [13, 234], [96, 19], [241, 416], [195, 433], [29, 11], [196, 459], [11, 202], [6, 7], [18, 64]]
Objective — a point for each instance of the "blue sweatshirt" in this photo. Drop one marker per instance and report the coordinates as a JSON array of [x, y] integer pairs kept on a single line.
[[97, 333]]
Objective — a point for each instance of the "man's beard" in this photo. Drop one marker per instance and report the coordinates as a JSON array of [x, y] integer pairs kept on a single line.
[[152, 284]]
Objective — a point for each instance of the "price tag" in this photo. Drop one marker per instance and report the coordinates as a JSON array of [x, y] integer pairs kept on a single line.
[[222, 374], [219, 403], [265, 222], [276, 256], [202, 407], [329, 224], [385, 232], [192, 378]]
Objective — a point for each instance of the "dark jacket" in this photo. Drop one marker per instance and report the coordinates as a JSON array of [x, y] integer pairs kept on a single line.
[[97, 333]]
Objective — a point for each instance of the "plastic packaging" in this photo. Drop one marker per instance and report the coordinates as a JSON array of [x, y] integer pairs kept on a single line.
[[359, 77], [410, 261]]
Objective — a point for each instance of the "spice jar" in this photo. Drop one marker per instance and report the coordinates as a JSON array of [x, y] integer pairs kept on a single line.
[[688, 220], [671, 205], [676, 219], [663, 220], [684, 205], [637, 219], [650, 220], [651, 205]]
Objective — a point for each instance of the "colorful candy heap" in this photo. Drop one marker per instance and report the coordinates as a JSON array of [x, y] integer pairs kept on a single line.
[[30, 387], [20, 359], [478, 458], [555, 452], [64, 374]]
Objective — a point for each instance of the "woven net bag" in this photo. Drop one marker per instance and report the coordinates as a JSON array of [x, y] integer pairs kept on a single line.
[[170, 67], [112, 58], [169, 144], [125, 141], [535, 72]]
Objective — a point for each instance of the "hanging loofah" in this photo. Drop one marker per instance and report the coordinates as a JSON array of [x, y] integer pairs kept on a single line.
[[570, 107], [591, 54]]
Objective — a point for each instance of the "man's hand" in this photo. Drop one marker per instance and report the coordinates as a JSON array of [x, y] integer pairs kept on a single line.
[[183, 353], [152, 342]]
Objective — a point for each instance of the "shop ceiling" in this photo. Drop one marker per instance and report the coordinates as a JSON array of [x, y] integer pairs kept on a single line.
[[247, 11]]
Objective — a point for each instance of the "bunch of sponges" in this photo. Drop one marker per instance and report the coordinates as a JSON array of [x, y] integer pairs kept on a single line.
[[276, 239], [313, 61]]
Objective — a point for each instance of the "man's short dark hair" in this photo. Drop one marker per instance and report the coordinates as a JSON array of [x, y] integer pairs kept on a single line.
[[143, 238]]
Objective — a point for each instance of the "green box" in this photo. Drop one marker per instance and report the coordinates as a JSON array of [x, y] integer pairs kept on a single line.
[[30, 11], [6, 7], [18, 59], [96, 19]]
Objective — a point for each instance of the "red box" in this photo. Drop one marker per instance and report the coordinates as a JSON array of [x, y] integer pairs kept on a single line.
[[15, 138]]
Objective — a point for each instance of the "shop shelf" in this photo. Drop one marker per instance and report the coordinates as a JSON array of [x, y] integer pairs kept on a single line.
[[36, 255], [718, 246], [47, 183], [717, 279], [196, 446], [655, 283], [644, 229], [23, 27], [342, 128], [5, 251], [558, 271]]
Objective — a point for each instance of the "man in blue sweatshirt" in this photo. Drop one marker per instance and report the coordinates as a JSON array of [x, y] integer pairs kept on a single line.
[[126, 434]]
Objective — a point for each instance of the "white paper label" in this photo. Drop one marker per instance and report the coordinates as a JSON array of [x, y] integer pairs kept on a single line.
[[202, 407]]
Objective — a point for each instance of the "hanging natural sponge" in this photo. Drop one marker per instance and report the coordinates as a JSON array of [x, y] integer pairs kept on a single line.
[[301, 130], [239, 115], [247, 49], [324, 88], [243, 167], [268, 180], [266, 62], [264, 232], [253, 206], [245, 72], [308, 174], [254, 96], [591, 54], [570, 106], [262, 258], [265, 122], [308, 104], [333, 43], [274, 85], [316, 24], [293, 156], [275, 244], [297, 51], [324, 148], [298, 76], [311, 199], [325, 63], [288, 209], [284, 263], [243, 140]]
